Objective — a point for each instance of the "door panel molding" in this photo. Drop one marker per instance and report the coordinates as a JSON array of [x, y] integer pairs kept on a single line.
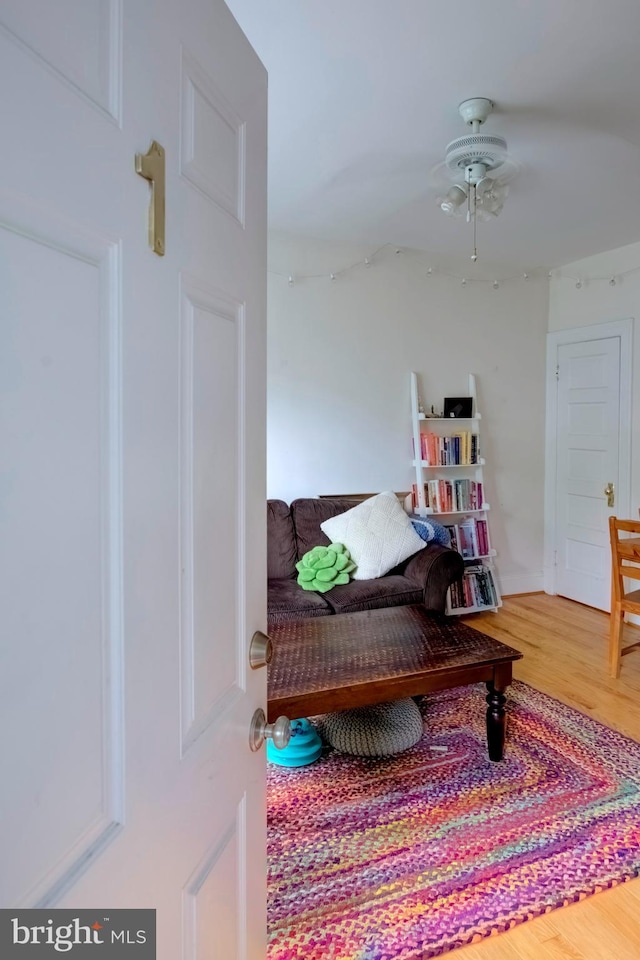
[[101, 32], [61, 844], [218, 886], [623, 329], [212, 140], [212, 341]]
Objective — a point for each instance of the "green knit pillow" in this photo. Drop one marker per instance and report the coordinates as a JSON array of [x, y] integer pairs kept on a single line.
[[323, 567]]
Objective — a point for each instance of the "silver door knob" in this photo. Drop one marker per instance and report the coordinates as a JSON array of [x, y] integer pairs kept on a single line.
[[260, 730], [260, 650]]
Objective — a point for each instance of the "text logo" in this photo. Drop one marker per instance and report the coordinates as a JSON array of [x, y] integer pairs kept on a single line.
[[80, 934]]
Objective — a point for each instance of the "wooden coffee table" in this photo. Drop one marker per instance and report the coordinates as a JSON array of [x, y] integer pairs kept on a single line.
[[325, 664]]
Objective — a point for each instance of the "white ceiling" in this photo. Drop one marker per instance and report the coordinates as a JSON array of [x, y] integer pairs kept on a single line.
[[363, 101]]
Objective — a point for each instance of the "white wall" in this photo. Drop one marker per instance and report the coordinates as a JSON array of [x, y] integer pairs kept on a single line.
[[339, 358], [598, 302]]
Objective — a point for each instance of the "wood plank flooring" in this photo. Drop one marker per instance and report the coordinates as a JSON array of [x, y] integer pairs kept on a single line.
[[565, 655]]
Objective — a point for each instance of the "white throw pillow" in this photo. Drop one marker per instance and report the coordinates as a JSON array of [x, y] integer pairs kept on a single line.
[[378, 534]]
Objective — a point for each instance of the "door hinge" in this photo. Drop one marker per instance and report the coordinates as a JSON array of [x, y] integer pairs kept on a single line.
[[555, 558], [557, 371]]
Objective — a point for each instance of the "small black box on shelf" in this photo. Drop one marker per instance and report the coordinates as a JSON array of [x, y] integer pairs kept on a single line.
[[458, 407]]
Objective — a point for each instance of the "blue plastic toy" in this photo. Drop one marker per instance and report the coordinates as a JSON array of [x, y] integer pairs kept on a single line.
[[305, 746]]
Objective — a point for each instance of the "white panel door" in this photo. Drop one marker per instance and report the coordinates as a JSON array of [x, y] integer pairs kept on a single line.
[[132, 500], [588, 432]]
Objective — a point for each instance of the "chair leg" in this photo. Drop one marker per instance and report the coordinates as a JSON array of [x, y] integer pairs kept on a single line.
[[615, 640]]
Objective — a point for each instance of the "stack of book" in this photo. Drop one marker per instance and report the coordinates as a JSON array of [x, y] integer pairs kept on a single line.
[[476, 589], [470, 538], [451, 496], [460, 449]]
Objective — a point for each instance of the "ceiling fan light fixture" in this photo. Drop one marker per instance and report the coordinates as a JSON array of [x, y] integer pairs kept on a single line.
[[457, 194], [484, 186], [480, 167], [454, 198]]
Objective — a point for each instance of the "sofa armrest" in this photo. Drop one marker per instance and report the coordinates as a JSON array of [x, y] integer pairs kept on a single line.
[[434, 569]]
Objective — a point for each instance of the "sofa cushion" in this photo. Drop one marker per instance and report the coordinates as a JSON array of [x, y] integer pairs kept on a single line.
[[281, 541], [378, 534], [307, 515], [286, 601], [390, 591]]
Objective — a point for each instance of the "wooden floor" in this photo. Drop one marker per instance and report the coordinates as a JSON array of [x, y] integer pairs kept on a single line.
[[565, 655]]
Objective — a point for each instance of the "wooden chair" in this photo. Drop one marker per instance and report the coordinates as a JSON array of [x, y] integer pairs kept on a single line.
[[625, 551]]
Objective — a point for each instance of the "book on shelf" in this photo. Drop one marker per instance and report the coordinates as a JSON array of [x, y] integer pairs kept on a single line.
[[483, 538], [451, 496], [452, 529], [461, 449], [470, 538], [475, 589]]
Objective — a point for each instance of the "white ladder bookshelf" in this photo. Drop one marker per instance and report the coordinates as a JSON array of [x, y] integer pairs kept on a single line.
[[449, 488]]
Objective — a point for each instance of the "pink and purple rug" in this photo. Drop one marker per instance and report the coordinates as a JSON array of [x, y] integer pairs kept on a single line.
[[407, 857]]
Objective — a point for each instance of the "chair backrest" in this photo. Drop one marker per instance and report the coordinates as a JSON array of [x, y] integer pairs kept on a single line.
[[625, 552]]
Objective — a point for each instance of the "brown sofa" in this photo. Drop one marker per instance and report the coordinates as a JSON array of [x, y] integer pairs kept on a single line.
[[292, 531]]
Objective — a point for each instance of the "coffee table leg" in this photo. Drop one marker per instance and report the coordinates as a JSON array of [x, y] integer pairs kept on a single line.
[[496, 721]]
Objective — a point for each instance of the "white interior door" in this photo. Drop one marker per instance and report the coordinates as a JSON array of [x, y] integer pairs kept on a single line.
[[588, 459], [132, 543]]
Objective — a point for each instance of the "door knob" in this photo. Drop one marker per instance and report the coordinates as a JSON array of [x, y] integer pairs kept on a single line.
[[609, 492], [260, 650], [260, 730]]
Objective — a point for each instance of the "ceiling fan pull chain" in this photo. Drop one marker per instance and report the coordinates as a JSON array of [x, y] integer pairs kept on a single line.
[[474, 255]]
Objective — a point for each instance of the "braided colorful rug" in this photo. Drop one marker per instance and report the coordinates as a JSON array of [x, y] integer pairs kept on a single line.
[[407, 857]]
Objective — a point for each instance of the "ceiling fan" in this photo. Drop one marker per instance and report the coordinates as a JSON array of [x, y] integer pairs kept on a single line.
[[476, 170]]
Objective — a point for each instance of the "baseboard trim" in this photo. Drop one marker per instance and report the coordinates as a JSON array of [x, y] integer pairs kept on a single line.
[[522, 583], [527, 593]]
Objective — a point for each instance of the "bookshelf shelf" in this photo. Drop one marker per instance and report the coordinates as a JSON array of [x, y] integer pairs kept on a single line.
[[430, 512], [450, 466], [451, 491], [423, 416], [463, 611]]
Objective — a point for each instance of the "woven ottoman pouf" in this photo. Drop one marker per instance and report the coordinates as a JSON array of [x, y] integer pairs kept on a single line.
[[377, 731]]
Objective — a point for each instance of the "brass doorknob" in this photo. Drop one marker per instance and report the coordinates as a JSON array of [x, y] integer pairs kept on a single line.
[[609, 492], [260, 730]]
